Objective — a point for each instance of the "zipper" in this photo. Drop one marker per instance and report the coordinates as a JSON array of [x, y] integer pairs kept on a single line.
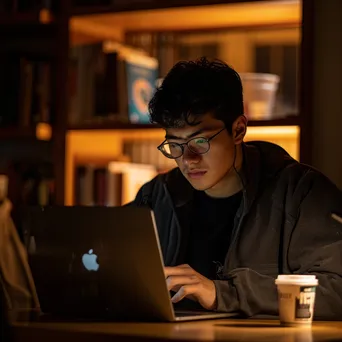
[[177, 223], [144, 200], [236, 230]]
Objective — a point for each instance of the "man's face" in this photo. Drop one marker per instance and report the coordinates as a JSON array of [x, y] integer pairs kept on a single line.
[[204, 171]]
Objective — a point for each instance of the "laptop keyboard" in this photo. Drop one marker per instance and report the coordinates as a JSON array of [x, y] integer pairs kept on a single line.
[[186, 313]]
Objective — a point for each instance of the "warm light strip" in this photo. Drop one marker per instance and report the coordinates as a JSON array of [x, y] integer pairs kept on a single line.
[[109, 144], [284, 131], [193, 17]]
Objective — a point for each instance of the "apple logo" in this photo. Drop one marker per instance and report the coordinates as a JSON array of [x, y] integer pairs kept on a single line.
[[89, 261]]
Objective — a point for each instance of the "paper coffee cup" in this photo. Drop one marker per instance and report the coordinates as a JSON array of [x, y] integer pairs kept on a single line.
[[296, 297]]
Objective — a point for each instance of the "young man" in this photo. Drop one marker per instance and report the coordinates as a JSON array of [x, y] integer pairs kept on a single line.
[[234, 215]]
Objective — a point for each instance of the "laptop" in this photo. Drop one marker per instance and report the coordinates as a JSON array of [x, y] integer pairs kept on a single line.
[[101, 263]]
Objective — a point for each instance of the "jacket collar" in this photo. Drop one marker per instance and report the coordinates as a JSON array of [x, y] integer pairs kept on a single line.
[[250, 174]]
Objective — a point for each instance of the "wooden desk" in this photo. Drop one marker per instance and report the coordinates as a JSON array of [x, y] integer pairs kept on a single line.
[[213, 330]]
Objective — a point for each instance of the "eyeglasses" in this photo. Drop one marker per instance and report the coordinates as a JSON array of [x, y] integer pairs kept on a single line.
[[198, 145]]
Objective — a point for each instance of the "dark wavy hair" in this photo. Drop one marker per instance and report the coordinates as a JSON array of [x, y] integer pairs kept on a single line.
[[194, 88]]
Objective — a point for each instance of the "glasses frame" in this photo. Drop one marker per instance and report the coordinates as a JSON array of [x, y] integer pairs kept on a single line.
[[160, 147]]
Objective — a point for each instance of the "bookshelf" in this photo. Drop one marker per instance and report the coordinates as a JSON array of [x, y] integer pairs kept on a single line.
[[48, 31], [33, 64]]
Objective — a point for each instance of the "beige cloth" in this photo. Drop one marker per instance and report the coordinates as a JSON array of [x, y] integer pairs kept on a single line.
[[15, 274]]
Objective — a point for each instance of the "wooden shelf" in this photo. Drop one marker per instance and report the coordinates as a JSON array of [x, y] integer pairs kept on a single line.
[[138, 5], [39, 132], [19, 18], [32, 17], [161, 17], [290, 121], [19, 133], [111, 125]]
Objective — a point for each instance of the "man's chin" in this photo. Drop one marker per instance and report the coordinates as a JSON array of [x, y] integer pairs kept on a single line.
[[202, 184], [198, 184]]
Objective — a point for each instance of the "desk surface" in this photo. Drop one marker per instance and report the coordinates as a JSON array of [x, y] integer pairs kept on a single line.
[[210, 330]]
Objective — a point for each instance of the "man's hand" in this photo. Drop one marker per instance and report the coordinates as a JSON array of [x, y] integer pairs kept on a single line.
[[186, 282]]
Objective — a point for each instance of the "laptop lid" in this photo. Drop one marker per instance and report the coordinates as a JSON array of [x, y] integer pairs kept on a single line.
[[98, 262]]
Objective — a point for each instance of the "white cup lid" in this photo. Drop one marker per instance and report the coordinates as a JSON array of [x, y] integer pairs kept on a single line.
[[295, 279]]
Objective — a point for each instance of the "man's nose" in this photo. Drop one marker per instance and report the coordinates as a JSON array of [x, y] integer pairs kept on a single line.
[[190, 157]]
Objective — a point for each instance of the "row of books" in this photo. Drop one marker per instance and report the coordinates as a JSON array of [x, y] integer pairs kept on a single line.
[[106, 80], [25, 90], [113, 185], [28, 183], [146, 152], [39, 193], [112, 81]]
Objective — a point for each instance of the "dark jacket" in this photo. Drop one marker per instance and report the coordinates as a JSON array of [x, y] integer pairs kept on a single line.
[[283, 226]]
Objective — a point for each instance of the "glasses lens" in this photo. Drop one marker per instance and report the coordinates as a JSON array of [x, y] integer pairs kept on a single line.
[[198, 145], [172, 150]]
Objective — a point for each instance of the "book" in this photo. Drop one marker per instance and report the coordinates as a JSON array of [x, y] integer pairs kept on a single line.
[[137, 75], [134, 176], [142, 74]]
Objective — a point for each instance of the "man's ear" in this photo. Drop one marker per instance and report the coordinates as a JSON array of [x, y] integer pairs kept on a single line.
[[239, 129]]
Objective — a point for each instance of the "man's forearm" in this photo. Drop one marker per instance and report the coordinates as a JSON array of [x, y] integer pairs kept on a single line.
[[247, 292]]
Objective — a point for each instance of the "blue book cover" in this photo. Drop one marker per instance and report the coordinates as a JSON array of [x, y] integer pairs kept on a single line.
[[141, 77]]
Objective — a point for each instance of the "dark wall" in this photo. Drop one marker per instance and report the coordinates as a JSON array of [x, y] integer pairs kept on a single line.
[[327, 89]]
